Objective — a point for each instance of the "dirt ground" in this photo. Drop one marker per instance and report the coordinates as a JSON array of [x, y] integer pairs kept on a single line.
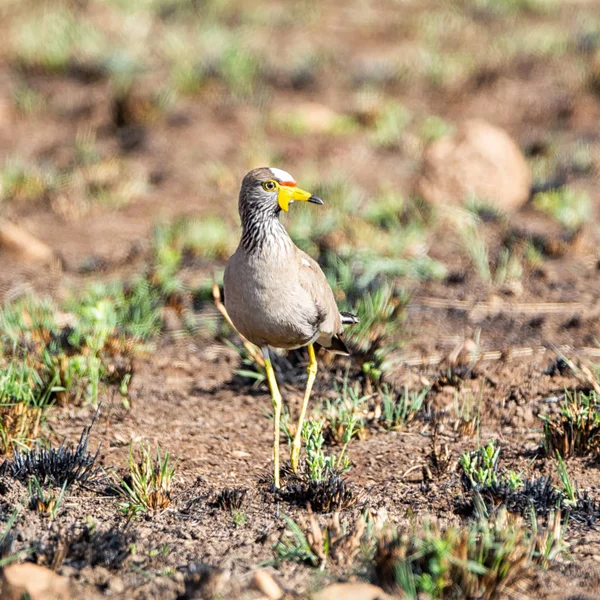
[[185, 394]]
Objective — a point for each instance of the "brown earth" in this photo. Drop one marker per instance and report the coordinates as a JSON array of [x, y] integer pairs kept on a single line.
[[184, 394]]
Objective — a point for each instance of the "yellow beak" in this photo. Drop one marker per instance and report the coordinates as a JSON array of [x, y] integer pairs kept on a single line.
[[288, 194]]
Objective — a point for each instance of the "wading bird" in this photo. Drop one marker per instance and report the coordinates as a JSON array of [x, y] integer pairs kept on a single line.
[[275, 294]]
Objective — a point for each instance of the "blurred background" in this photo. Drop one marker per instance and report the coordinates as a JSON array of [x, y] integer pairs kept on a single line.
[[455, 144]]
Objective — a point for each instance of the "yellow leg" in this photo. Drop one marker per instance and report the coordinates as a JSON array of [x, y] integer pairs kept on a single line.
[[312, 373], [276, 399]]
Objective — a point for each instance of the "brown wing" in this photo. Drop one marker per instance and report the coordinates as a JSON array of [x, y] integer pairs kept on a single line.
[[313, 280]]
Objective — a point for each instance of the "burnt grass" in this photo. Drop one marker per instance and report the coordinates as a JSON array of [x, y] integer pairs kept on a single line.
[[539, 496], [64, 465], [332, 494], [491, 348]]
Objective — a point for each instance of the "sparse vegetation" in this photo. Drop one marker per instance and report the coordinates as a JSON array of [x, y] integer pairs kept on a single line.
[[324, 495], [389, 126], [569, 491], [483, 560], [481, 466], [293, 545], [575, 430], [126, 126], [51, 40], [320, 466], [338, 542], [506, 268], [571, 208], [400, 408], [43, 501], [344, 414], [381, 314], [481, 469], [24, 400], [21, 183], [467, 411], [148, 484], [188, 238]]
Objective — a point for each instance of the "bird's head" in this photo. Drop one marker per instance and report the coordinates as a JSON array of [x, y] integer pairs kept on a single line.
[[270, 190]]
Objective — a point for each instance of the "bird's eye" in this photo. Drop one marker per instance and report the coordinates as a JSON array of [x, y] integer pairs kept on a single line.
[[269, 186]]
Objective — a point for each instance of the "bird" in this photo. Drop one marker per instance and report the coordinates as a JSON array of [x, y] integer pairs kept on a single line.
[[276, 295]]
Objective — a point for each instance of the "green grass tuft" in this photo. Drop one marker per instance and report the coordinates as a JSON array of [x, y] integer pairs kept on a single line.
[[24, 399], [575, 430], [485, 559], [571, 208], [148, 486]]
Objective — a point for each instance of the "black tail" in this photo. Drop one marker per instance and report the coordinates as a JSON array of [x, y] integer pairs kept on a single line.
[[348, 318], [338, 346]]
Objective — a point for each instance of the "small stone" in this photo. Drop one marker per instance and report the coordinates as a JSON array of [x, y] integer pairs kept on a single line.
[[240, 454], [266, 585], [351, 591], [34, 582], [116, 585]]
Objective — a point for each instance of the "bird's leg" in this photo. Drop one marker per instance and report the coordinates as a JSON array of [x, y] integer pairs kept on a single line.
[[312, 373], [276, 400]]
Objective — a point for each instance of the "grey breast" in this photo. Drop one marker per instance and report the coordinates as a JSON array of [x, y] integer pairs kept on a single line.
[[267, 302]]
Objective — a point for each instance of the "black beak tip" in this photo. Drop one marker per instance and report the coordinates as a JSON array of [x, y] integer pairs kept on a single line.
[[315, 200]]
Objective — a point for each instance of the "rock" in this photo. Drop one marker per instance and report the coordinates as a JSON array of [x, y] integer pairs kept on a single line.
[[351, 591], [266, 585], [34, 582], [116, 585], [478, 160]]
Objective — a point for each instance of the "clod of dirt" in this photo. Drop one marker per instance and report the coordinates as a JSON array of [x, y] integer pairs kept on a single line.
[[34, 582], [479, 160], [454, 376], [130, 114], [559, 366], [203, 581]]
